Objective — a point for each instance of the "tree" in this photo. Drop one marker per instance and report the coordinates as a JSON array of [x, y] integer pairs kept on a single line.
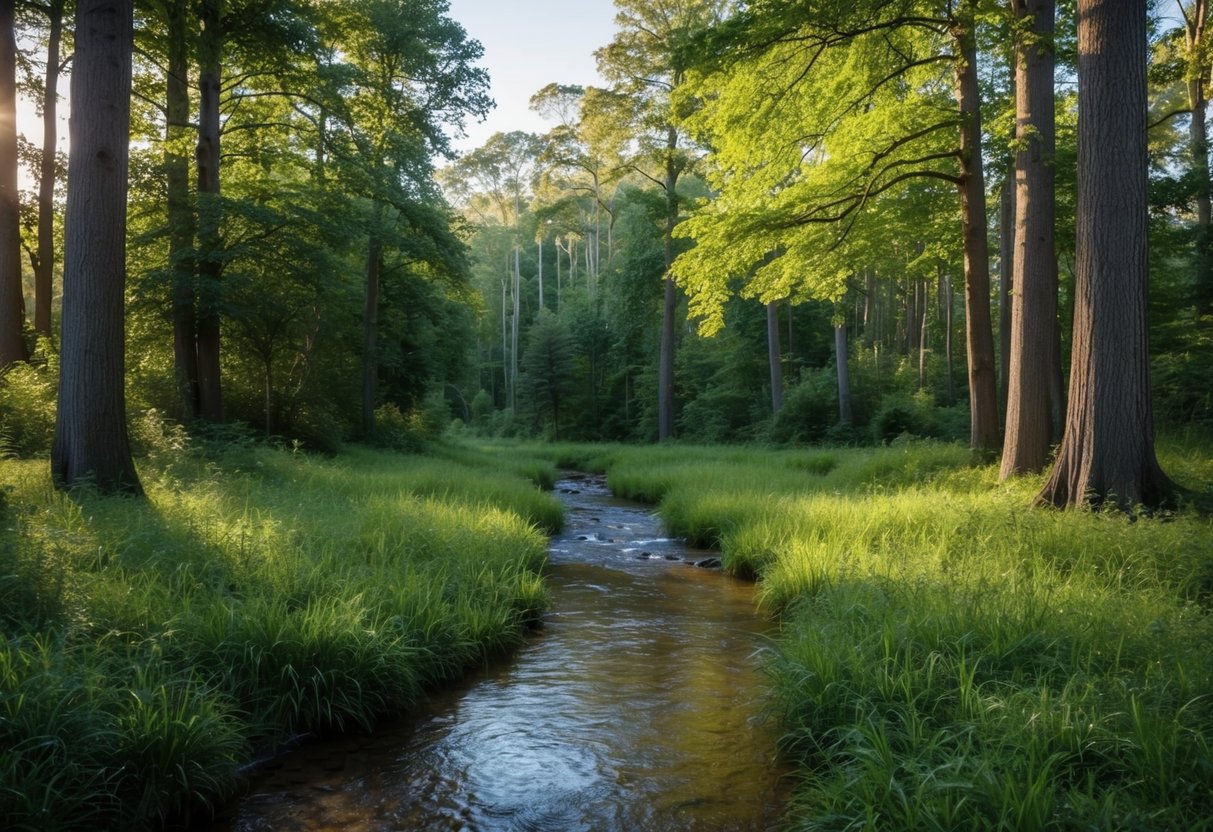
[[1107, 452], [649, 59], [44, 261], [1034, 273], [1196, 78], [12, 297], [547, 367], [91, 444], [817, 122]]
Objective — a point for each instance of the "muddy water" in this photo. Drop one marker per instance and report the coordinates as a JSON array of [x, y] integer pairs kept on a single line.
[[637, 706]]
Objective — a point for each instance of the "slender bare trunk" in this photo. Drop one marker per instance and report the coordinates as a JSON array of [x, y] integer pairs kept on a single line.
[[669, 306], [12, 293], [1034, 319], [983, 390], [209, 264], [44, 267], [180, 211], [370, 326], [774, 356], [1006, 292], [844, 373]]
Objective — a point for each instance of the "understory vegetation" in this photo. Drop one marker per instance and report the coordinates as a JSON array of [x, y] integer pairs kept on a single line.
[[949, 657], [152, 648]]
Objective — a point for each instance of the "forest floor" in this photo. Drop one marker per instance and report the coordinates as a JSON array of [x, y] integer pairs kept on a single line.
[[948, 656]]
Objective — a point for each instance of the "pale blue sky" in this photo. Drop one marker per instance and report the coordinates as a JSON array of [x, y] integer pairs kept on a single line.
[[527, 45]]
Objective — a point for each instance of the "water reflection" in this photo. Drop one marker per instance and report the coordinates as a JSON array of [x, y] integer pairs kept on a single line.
[[636, 707]]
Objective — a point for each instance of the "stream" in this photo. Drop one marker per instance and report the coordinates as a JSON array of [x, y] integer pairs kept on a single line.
[[638, 705]]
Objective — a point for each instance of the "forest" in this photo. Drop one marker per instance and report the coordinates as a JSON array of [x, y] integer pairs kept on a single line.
[[946, 260]]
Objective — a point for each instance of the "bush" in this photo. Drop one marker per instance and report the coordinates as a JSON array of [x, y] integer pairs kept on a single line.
[[27, 408], [809, 411]]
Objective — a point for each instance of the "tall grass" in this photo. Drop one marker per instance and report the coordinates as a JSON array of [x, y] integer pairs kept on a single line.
[[949, 657], [152, 648]]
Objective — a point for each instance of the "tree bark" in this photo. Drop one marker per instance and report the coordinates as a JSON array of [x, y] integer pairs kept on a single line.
[[1195, 18], [180, 211], [844, 373], [91, 443], [1107, 454], [669, 306], [1034, 319], [774, 356], [370, 328], [983, 391], [1006, 291], [44, 268], [210, 265], [12, 293]]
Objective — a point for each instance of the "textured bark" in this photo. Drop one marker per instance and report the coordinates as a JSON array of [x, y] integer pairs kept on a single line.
[[1195, 17], [44, 266], [1006, 294], [91, 444], [12, 295], [774, 356], [669, 306], [180, 211], [983, 391], [1034, 319], [370, 330], [844, 373], [210, 265], [1107, 454]]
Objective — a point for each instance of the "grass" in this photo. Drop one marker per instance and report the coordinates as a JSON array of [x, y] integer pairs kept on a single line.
[[950, 658], [153, 648]]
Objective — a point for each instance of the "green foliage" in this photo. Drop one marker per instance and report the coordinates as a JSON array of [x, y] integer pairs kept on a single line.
[[949, 657], [258, 593], [27, 408]]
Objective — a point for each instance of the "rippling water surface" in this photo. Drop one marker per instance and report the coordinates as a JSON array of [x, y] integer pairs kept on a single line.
[[637, 706]]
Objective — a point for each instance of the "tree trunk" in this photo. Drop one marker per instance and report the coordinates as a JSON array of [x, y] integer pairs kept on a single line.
[[180, 211], [210, 265], [370, 328], [1195, 17], [844, 373], [1006, 291], [983, 391], [948, 324], [12, 293], [1107, 454], [44, 269], [91, 444], [1029, 426], [774, 356], [669, 306], [515, 292]]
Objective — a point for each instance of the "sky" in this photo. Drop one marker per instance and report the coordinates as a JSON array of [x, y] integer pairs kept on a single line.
[[529, 44]]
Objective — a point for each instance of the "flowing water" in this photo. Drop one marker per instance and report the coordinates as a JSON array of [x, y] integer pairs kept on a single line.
[[637, 706]]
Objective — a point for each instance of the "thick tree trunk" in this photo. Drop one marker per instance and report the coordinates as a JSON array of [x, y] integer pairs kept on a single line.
[[44, 268], [12, 294], [1034, 320], [210, 264], [842, 364], [1107, 454], [774, 356], [983, 390], [91, 444], [370, 330], [180, 211]]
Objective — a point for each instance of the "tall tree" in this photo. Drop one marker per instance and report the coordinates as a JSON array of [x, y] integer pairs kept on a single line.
[[1196, 77], [44, 262], [12, 295], [91, 442], [1034, 315], [207, 156], [649, 59], [1107, 453]]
